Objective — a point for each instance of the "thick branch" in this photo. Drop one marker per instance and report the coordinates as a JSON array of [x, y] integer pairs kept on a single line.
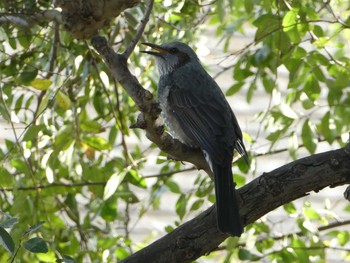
[[82, 19], [267, 192]]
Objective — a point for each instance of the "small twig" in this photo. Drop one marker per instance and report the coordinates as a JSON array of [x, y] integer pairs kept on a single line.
[[28, 21], [121, 124], [139, 30], [40, 187], [170, 173], [16, 252]]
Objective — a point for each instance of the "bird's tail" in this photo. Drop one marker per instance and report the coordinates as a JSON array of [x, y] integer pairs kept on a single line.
[[228, 218]]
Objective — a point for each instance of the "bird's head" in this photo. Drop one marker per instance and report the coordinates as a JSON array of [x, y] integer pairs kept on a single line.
[[170, 56]]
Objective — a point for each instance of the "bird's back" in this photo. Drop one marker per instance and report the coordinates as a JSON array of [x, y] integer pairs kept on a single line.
[[201, 96]]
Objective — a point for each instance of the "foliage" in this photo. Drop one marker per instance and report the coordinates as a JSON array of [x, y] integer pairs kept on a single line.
[[69, 164]]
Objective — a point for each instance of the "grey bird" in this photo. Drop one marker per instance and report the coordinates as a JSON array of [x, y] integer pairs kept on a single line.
[[198, 114]]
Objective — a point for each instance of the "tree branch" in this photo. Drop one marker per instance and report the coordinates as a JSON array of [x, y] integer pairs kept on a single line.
[[139, 30], [262, 195], [82, 19]]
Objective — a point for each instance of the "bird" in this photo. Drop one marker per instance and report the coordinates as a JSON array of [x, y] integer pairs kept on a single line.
[[197, 113]]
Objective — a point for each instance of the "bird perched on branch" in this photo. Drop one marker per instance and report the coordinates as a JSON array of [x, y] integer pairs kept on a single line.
[[198, 114]]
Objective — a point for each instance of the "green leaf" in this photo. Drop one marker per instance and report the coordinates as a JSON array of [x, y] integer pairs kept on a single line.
[[19, 165], [262, 54], [6, 178], [311, 213], [264, 244], [112, 184], [19, 103], [121, 253], [321, 42], [290, 19], [306, 102], [136, 179], [91, 126], [300, 250], [309, 226], [112, 136], [251, 90], [240, 74], [294, 35], [13, 43], [245, 254], [132, 21], [261, 228], [96, 142], [318, 31], [41, 84], [343, 237], [36, 245], [173, 187], [312, 88], [269, 84], [290, 208], [10, 222], [293, 145], [274, 136], [239, 179], [28, 75], [290, 25], [287, 111], [169, 229], [6, 241], [50, 256], [67, 259], [34, 228], [63, 101], [64, 137], [249, 5], [234, 88], [299, 53], [32, 132], [197, 204], [44, 103], [25, 40], [109, 210], [309, 137], [181, 206], [220, 9], [266, 24], [327, 128]]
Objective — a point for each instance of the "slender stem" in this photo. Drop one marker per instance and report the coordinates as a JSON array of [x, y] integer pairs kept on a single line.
[[139, 30]]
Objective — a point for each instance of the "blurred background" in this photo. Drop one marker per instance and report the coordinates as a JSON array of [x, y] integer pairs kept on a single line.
[[78, 181]]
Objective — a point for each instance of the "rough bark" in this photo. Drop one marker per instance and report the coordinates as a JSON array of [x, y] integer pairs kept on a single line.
[[267, 192], [199, 236], [84, 18], [81, 18]]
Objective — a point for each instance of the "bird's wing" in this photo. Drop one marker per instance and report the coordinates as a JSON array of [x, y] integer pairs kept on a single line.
[[203, 117]]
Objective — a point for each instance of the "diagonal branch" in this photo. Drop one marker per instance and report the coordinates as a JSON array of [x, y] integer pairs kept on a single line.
[[200, 236], [139, 30]]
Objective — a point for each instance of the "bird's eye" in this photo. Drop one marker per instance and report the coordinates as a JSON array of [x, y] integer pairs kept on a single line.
[[173, 50]]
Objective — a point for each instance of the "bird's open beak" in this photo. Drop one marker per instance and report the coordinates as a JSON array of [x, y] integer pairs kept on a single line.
[[160, 49]]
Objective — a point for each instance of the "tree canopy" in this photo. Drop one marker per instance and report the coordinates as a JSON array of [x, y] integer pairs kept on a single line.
[[85, 158]]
